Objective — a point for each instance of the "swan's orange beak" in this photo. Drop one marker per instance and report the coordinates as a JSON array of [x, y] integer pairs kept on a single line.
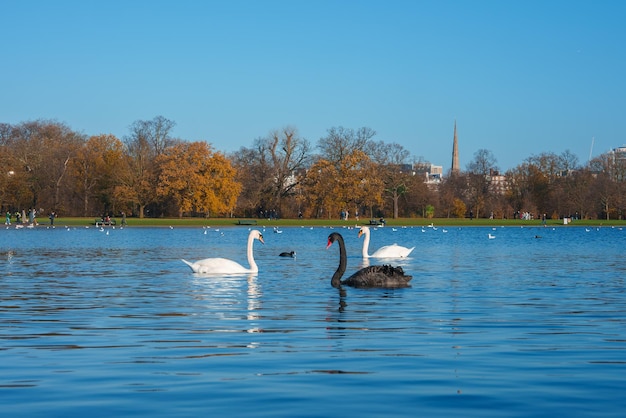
[[360, 233], [261, 239], [329, 243]]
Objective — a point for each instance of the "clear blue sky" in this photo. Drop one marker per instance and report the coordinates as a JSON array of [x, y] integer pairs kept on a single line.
[[519, 77]]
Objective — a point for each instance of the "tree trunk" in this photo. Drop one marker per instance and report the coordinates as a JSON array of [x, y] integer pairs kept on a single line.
[[396, 196], [58, 184], [85, 204]]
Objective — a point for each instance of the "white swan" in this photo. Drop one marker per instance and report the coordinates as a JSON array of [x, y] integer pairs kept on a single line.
[[226, 266], [388, 251]]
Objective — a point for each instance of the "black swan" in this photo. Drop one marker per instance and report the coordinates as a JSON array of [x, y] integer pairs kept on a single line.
[[291, 254], [385, 276]]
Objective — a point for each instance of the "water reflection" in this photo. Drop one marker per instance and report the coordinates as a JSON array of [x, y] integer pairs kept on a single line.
[[523, 324], [219, 292]]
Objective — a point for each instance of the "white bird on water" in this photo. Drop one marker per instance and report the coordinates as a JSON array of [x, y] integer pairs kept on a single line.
[[226, 266], [388, 251]]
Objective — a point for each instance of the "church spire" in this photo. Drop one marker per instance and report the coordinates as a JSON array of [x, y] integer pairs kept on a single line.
[[455, 152]]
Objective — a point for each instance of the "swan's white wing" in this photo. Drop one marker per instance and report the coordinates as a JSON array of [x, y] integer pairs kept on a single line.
[[217, 266], [392, 251]]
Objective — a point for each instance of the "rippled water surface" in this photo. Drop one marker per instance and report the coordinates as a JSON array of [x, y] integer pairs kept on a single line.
[[530, 323]]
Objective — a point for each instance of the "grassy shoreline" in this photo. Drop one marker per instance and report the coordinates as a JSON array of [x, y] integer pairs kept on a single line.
[[223, 222]]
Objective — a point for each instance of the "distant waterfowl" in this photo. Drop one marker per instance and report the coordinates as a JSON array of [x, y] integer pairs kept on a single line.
[[291, 254], [388, 251], [384, 276], [492, 236], [226, 266]]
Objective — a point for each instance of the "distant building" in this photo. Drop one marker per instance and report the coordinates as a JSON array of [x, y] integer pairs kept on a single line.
[[432, 174], [497, 182], [619, 153], [435, 175]]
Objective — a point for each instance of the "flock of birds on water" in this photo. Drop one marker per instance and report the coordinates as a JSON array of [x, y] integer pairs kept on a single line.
[[384, 276], [381, 276]]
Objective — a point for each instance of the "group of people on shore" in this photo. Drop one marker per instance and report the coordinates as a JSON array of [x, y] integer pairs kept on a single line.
[[22, 218], [106, 219], [345, 214]]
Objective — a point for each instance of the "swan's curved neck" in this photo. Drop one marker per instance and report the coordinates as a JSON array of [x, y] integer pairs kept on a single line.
[[366, 243], [253, 266], [336, 280]]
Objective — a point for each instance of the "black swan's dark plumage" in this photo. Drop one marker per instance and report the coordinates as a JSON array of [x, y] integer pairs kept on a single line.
[[373, 276], [288, 254]]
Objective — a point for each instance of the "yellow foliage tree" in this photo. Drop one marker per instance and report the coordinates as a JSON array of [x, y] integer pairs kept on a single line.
[[459, 208], [197, 179], [349, 182]]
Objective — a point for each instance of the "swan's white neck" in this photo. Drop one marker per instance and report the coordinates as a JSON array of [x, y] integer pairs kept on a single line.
[[253, 267], [366, 243]]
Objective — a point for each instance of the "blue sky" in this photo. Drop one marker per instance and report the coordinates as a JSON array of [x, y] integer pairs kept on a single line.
[[519, 77]]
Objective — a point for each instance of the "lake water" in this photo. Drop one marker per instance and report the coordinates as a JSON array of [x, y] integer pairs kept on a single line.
[[104, 324]]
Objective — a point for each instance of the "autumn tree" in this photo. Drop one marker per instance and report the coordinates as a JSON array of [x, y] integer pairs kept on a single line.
[[458, 208], [147, 140], [196, 179], [269, 170], [478, 176], [319, 189], [523, 183], [420, 200], [43, 149], [332, 187], [547, 183], [610, 184], [347, 151], [452, 187], [340, 142], [393, 169], [156, 134], [95, 170], [15, 192]]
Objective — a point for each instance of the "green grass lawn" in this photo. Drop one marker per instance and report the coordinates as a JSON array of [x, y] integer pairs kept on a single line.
[[449, 222]]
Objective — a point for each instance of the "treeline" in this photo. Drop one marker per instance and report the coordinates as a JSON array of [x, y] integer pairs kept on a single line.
[[47, 166]]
